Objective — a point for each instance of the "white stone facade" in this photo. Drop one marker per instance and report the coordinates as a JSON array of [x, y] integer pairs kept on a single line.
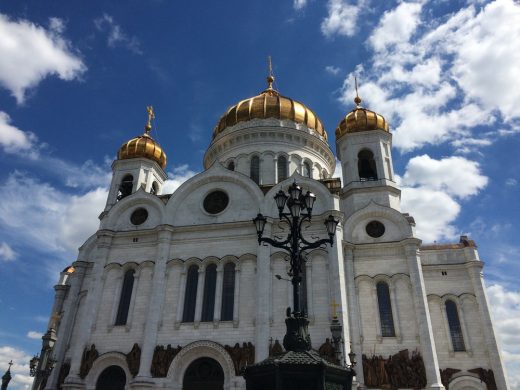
[[178, 233]]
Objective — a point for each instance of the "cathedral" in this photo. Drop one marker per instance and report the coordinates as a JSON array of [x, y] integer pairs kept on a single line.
[[174, 291]]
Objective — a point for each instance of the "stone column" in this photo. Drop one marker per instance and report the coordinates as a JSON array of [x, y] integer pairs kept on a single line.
[[263, 276], [69, 309], [218, 295], [155, 310], [182, 294], [429, 352], [495, 358], [200, 295], [338, 286], [236, 298], [353, 312], [94, 288]]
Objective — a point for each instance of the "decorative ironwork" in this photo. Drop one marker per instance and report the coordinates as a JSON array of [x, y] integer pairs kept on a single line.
[[162, 358], [242, 356], [297, 337], [398, 371]]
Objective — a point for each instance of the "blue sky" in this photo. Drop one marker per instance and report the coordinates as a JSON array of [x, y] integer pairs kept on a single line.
[[75, 78]]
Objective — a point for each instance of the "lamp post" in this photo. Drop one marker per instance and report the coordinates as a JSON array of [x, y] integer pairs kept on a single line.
[[299, 208], [40, 367], [299, 367], [337, 338]]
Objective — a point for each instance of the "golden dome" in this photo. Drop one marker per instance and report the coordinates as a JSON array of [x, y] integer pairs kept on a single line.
[[270, 104], [143, 146], [361, 119]]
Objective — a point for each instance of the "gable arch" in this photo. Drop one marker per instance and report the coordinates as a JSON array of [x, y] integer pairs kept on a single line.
[[397, 227], [118, 217], [185, 206]]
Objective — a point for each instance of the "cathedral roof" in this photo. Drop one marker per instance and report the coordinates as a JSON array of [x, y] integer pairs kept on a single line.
[[361, 119], [270, 104], [143, 146]]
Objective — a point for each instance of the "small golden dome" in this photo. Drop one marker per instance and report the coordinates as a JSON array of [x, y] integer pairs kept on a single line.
[[143, 145], [361, 119], [270, 104]]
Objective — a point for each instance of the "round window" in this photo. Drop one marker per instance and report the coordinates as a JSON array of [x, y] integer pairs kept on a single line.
[[375, 229], [139, 216], [215, 202]]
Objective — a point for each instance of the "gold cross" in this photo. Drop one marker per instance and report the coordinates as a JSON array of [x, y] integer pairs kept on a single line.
[[270, 77], [357, 99], [270, 65], [334, 305], [151, 115], [10, 364]]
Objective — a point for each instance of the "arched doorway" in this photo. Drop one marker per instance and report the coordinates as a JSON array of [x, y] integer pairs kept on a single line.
[[204, 373], [112, 378]]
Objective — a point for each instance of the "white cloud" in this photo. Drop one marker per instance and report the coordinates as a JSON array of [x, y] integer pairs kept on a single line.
[[14, 140], [396, 26], [299, 4], [438, 82], [46, 218], [19, 369], [511, 182], [433, 211], [7, 253], [341, 18], [116, 35], [505, 306], [30, 53], [57, 25], [338, 172], [177, 177], [456, 176], [32, 334], [432, 189], [334, 70]]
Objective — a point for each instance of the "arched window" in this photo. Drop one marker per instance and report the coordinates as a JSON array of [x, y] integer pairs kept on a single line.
[[457, 339], [231, 166], [366, 165], [385, 310], [282, 168], [154, 188], [255, 169], [306, 169], [126, 296], [208, 301], [112, 378], [190, 297], [228, 292], [126, 186]]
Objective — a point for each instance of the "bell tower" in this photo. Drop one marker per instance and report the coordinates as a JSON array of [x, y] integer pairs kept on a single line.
[[140, 163], [363, 145]]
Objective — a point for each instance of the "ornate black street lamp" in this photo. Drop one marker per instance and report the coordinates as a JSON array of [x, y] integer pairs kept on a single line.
[[297, 337], [40, 367], [299, 367]]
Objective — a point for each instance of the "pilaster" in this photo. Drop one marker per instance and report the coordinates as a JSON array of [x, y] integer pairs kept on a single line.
[[428, 349], [104, 240], [263, 276], [154, 308]]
